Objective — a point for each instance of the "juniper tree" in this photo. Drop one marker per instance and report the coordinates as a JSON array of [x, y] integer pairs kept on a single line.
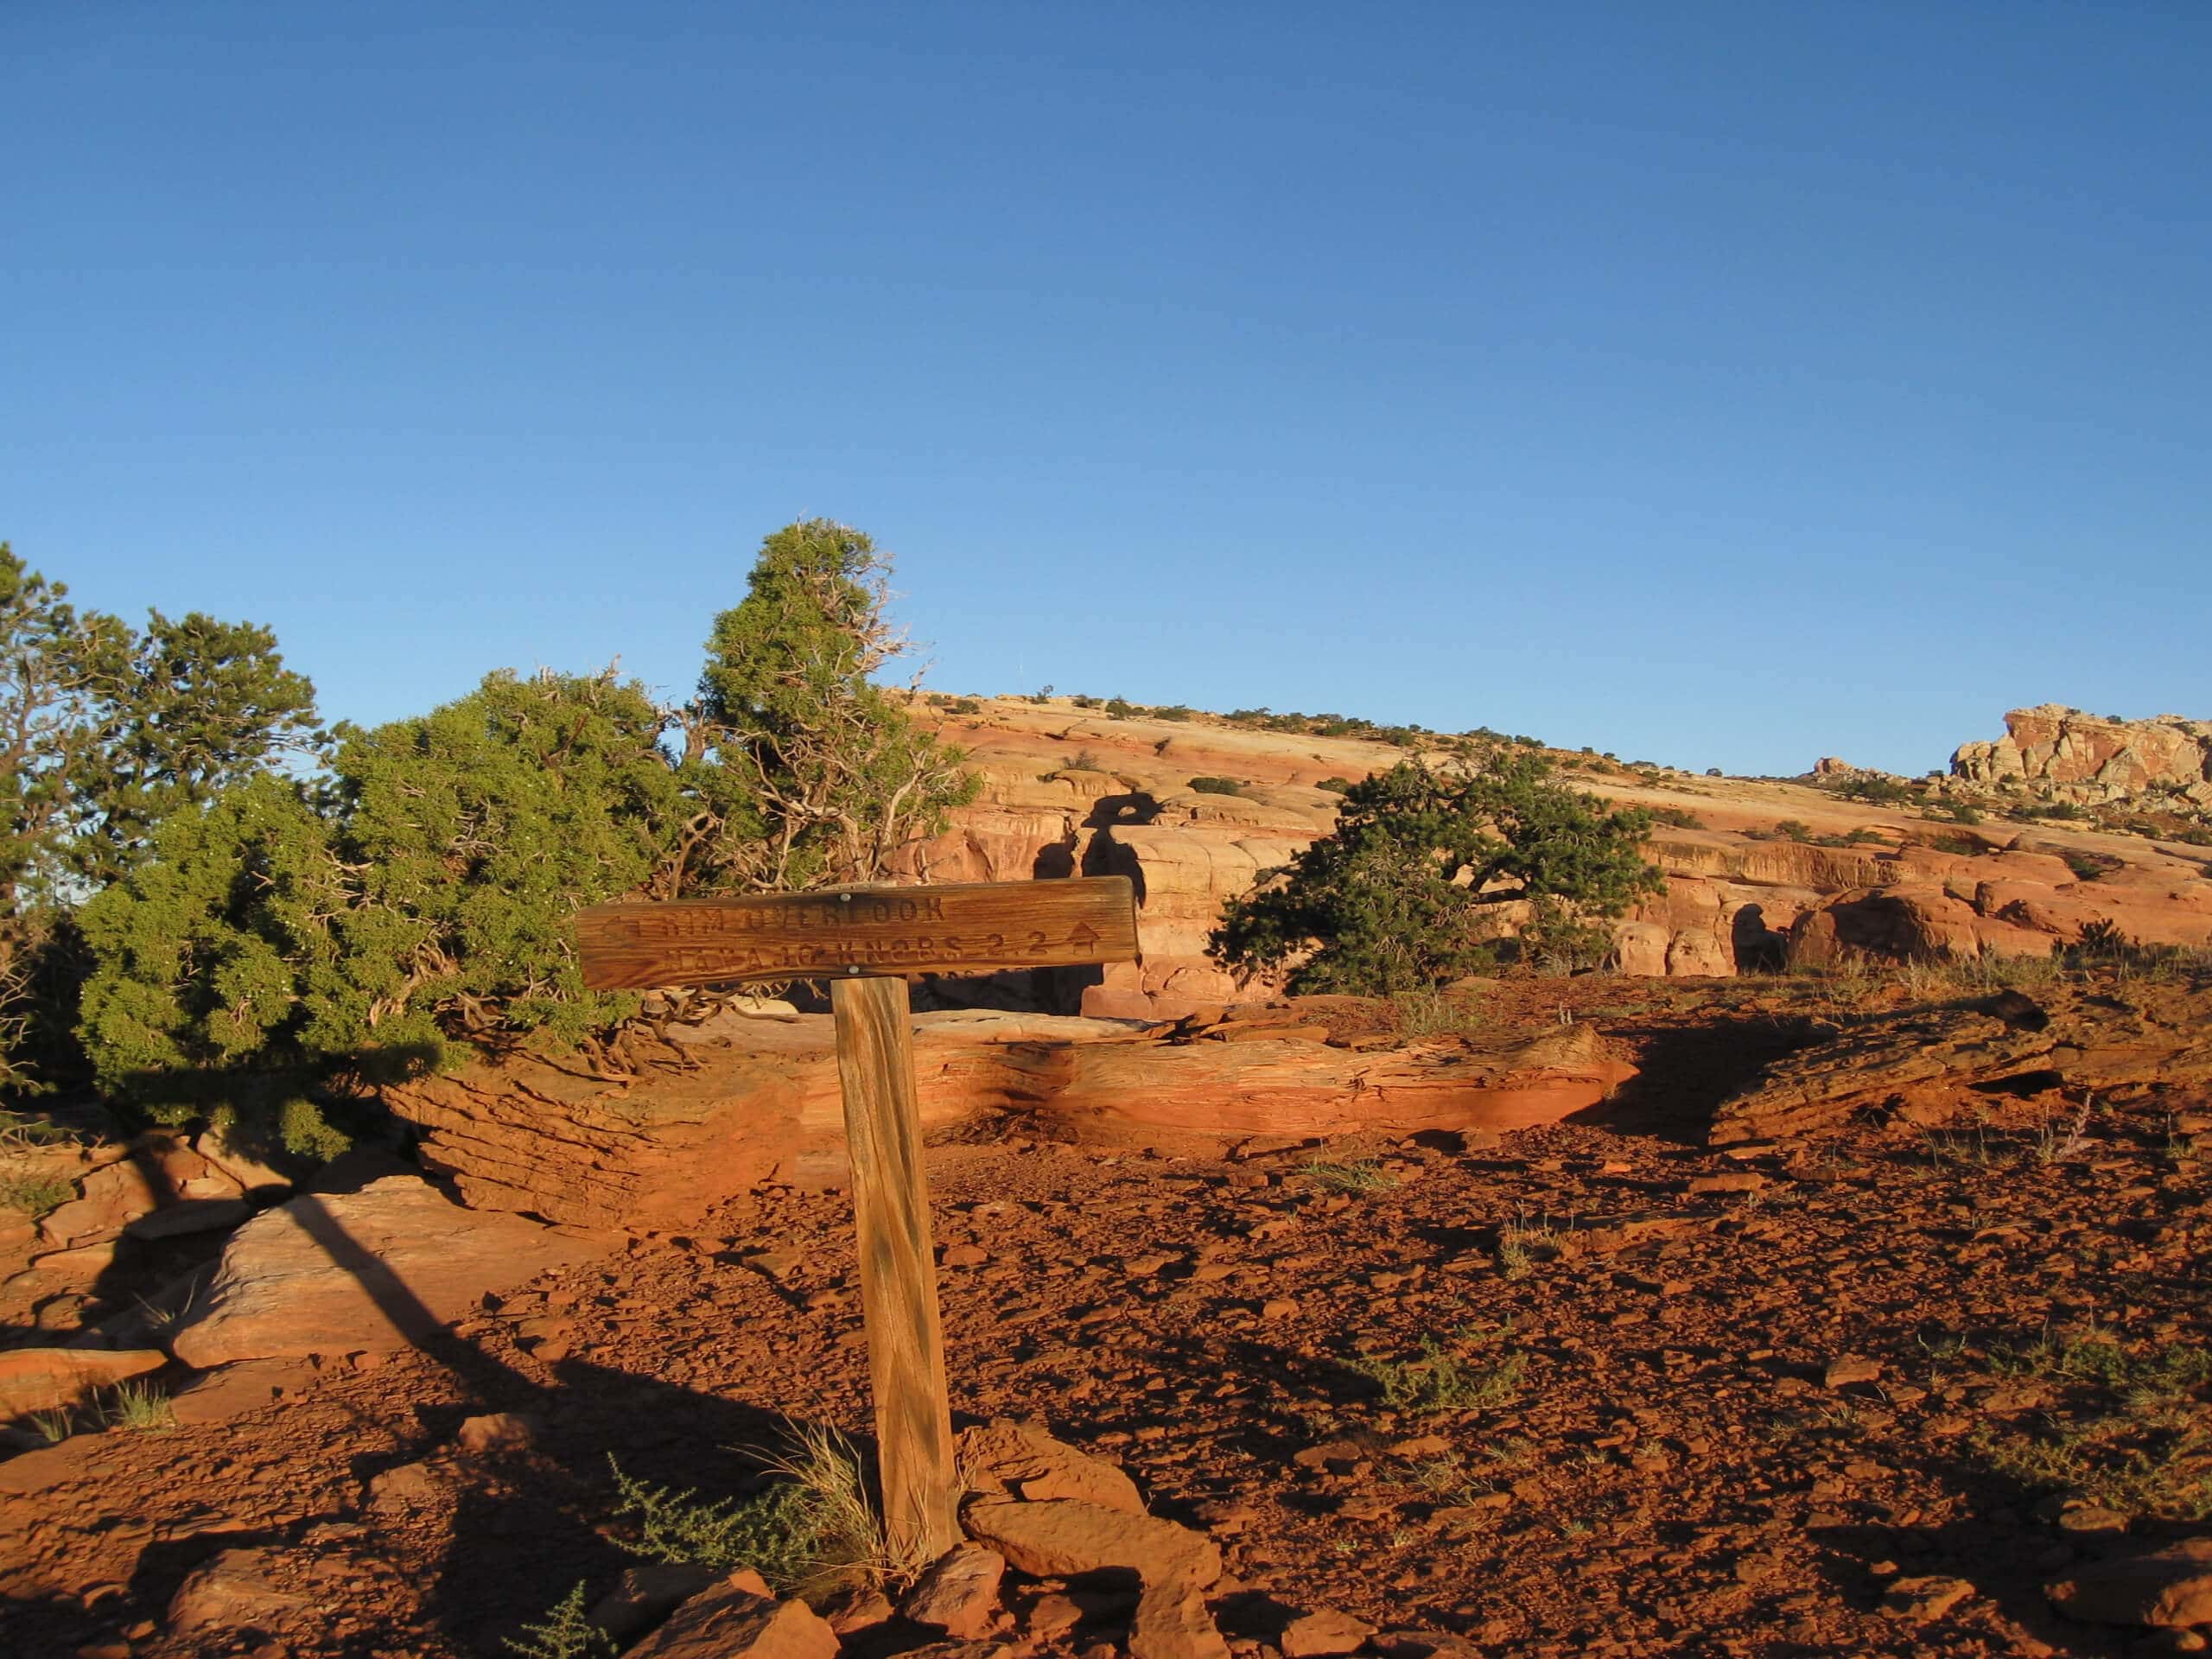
[[432, 900], [806, 771], [225, 947], [50, 658], [1404, 894], [478, 830], [288, 936], [184, 710], [53, 662], [104, 734]]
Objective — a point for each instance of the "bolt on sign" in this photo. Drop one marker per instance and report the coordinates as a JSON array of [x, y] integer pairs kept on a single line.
[[860, 939]]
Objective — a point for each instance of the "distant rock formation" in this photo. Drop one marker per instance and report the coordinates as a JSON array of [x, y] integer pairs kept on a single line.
[[2090, 759], [1758, 873]]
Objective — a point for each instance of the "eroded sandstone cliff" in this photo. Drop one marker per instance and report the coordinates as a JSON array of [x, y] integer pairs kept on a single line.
[[1749, 884], [2069, 755]]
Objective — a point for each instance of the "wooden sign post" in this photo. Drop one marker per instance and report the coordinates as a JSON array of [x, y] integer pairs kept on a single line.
[[857, 939]]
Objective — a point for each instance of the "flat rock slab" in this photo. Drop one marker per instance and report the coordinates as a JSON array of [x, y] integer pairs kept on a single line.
[[2166, 1589], [1007, 1459], [40, 1379], [1065, 1536], [365, 1271], [1171, 1622], [192, 1216], [959, 1594], [109, 1197], [235, 1391], [731, 1622], [1323, 1634], [237, 1590]]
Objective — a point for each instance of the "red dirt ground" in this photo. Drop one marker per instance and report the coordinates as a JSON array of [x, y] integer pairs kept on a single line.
[[1668, 1468]]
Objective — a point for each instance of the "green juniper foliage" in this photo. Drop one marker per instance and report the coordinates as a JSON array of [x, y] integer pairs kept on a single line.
[[277, 945], [105, 735], [194, 707], [429, 899], [479, 830], [807, 772], [1377, 904]]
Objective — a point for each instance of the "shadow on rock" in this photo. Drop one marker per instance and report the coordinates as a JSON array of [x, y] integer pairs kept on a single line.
[[1686, 1072]]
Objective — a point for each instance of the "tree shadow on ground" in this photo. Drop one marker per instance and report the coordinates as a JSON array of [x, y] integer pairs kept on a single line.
[[520, 1524], [1997, 1546], [1685, 1072]]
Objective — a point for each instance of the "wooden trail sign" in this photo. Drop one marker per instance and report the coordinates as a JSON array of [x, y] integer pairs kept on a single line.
[[857, 938], [854, 931]]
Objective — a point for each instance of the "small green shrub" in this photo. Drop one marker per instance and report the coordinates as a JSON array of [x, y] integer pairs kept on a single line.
[[1335, 785], [54, 1426], [1438, 1381], [1957, 845], [1216, 786], [1520, 1243], [771, 1532], [1796, 828], [2102, 941], [136, 1405], [964, 706], [2090, 866], [1679, 818], [1173, 711], [1432, 1013], [813, 1523], [1355, 1178], [2132, 1435], [1875, 790], [1119, 709], [36, 1194], [566, 1633]]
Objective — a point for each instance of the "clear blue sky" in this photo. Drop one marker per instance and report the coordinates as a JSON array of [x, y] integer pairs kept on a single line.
[[1718, 383]]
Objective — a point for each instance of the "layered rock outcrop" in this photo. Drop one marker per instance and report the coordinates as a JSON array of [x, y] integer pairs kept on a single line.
[[1930, 1064], [2074, 756], [723, 1105]]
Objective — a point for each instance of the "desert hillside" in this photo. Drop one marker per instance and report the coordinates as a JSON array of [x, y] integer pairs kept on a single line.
[[1826, 1280], [1759, 872]]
